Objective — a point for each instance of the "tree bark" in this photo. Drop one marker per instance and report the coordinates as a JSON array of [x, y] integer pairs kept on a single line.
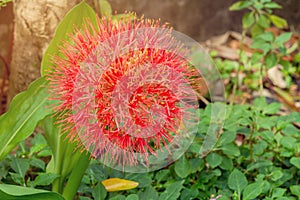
[[35, 23]]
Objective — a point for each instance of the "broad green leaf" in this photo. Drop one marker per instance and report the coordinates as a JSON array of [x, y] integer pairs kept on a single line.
[[117, 184], [252, 190], [259, 164], [143, 179], [281, 39], [75, 17], [197, 164], [264, 21], [99, 192], [26, 110], [237, 181], [20, 166], [289, 142], [272, 5], [214, 160], [240, 5], [271, 108], [248, 20], [38, 163], [105, 8], [227, 137], [278, 21], [276, 174], [227, 163], [256, 30], [295, 161], [189, 193], [278, 192], [271, 60], [118, 197], [44, 179], [132, 197], [266, 36], [295, 189], [14, 192], [267, 135], [149, 193], [231, 150], [182, 167], [172, 192]]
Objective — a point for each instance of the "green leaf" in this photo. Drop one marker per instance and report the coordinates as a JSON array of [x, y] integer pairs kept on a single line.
[[75, 17], [214, 160], [44, 179], [278, 21], [278, 192], [295, 161], [105, 8], [256, 30], [266, 36], [240, 5], [252, 190], [14, 192], [197, 164], [99, 192], [282, 38], [267, 135], [132, 197], [295, 189], [272, 108], [231, 150], [172, 192], [271, 60], [237, 181], [20, 166], [264, 21], [149, 193], [248, 20], [226, 164], [289, 142], [272, 5], [276, 174], [259, 164], [182, 167], [118, 197], [26, 110], [38, 163], [227, 137]]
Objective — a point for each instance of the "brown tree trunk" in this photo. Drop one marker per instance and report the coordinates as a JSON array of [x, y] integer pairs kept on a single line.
[[35, 23]]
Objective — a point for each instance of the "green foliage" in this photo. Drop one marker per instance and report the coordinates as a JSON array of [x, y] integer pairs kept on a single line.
[[23, 116], [269, 50], [21, 193]]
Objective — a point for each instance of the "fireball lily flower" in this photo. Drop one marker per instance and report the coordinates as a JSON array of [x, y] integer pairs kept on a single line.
[[123, 89]]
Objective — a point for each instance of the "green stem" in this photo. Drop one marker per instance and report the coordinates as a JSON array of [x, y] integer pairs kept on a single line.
[[261, 84], [59, 153], [251, 142], [74, 181], [237, 77]]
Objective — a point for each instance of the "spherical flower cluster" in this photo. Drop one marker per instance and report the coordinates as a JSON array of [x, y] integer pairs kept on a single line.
[[124, 90]]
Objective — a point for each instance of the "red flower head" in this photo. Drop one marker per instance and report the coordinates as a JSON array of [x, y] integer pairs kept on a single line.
[[126, 91]]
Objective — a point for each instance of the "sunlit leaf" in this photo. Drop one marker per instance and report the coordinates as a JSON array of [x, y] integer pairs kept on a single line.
[[117, 184]]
